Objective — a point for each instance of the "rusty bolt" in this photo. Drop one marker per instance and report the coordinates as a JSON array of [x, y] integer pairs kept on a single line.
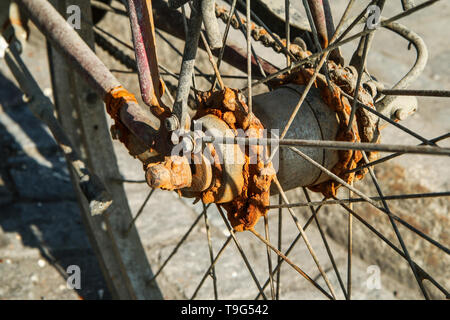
[[172, 123], [401, 114], [171, 174], [158, 176]]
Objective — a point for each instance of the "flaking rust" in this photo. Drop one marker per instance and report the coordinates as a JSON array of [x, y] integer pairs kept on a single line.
[[246, 209], [228, 106], [172, 174]]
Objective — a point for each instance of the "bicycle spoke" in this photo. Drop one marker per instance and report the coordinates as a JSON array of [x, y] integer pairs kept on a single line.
[[211, 254], [244, 257], [308, 86], [312, 25], [407, 4], [358, 83], [262, 24], [397, 232], [305, 238], [180, 54], [370, 201], [269, 256], [413, 92], [332, 144], [208, 272], [249, 58], [244, 32], [211, 60], [349, 249], [287, 28], [280, 228], [206, 75], [359, 62], [355, 200], [392, 156], [141, 209], [387, 21], [178, 245], [296, 268], [325, 242], [335, 44], [291, 246], [225, 37], [354, 22], [315, 55], [422, 273], [319, 61], [395, 124], [316, 35]]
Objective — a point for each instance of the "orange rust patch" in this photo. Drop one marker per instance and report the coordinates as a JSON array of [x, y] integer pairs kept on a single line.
[[244, 211], [114, 100], [171, 174]]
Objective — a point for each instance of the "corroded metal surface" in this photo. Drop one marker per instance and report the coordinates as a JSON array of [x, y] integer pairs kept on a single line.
[[228, 159], [244, 210], [172, 174]]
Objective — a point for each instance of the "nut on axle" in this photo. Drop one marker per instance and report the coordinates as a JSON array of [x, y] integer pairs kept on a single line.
[[171, 174]]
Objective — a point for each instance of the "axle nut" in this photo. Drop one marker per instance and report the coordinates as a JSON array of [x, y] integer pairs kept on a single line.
[[171, 174], [172, 123]]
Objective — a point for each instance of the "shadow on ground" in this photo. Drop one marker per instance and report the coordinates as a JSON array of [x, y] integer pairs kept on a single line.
[[38, 209]]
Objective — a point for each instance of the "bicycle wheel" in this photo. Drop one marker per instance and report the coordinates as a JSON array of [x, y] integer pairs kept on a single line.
[[307, 160]]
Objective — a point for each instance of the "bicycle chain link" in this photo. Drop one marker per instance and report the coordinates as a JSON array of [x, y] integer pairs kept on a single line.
[[258, 33], [261, 35]]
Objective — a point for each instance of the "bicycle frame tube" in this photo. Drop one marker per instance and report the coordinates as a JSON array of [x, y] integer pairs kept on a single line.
[[144, 128], [141, 20]]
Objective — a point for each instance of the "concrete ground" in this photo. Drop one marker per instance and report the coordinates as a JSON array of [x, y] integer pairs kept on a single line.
[[41, 232]]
